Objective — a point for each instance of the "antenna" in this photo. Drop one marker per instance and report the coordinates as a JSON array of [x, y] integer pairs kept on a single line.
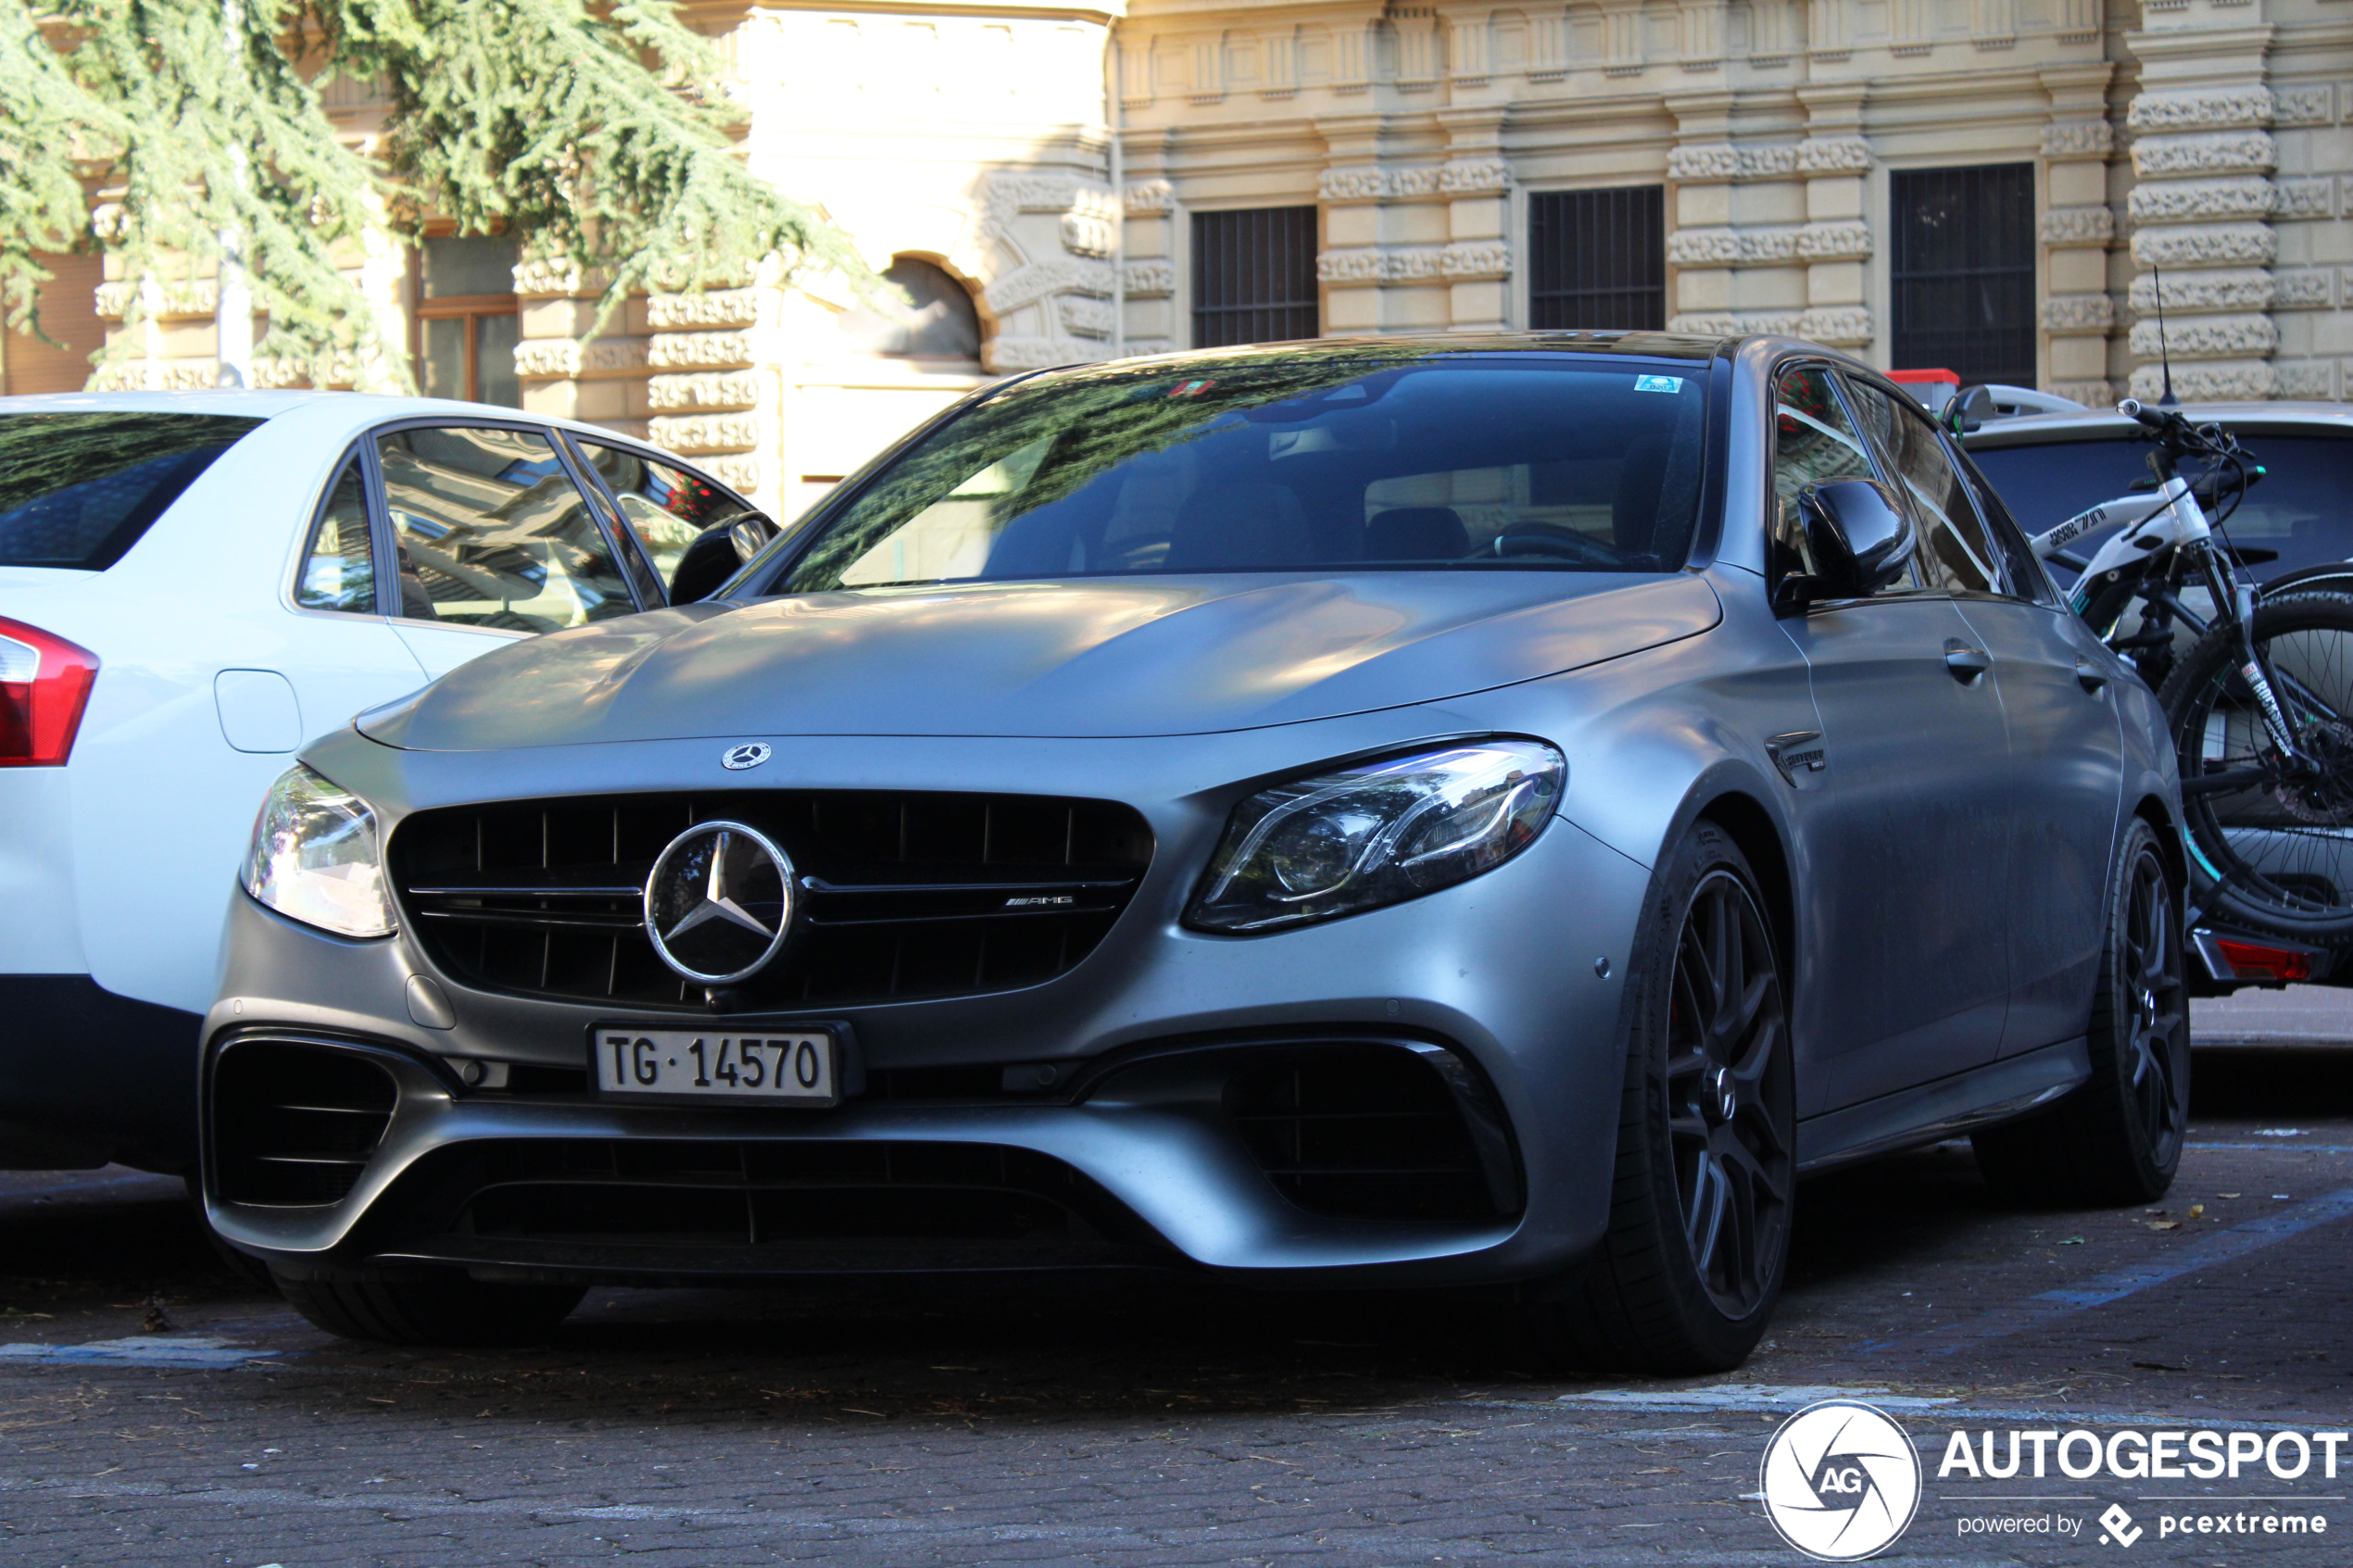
[[2164, 354]]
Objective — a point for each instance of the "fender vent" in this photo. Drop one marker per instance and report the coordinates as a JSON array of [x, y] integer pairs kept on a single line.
[[293, 1124]]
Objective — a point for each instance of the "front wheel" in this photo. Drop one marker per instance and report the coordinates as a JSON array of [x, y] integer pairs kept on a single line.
[[2272, 838], [428, 1306], [1687, 1277], [2117, 1138]]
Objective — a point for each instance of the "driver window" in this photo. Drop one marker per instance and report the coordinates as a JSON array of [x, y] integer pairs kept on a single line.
[[669, 507], [1955, 555], [492, 531], [1815, 442]]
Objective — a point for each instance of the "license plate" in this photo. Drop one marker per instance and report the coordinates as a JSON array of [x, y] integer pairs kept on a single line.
[[799, 1067]]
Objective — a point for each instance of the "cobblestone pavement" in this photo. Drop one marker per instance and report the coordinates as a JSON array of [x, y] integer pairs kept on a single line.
[[154, 1411]]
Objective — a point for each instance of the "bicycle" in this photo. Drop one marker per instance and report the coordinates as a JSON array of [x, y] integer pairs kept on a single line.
[[2259, 704]]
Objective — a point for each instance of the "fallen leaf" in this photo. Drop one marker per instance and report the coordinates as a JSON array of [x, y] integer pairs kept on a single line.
[[2226, 1195], [2072, 1241], [2162, 1224], [2196, 1211]]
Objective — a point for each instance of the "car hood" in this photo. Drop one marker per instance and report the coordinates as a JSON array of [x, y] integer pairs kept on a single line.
[[1154, 656]]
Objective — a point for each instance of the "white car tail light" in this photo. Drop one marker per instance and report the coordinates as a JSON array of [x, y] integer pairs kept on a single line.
[[44, 683]]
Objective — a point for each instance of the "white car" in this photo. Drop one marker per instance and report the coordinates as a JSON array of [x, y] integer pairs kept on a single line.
[[191, 586]]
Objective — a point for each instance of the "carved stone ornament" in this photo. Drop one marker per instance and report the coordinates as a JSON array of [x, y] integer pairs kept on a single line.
[[2310, 379], [1063, 274], [715, 308], [1803, 242], [740, 472], [554, 277], [1082, 317], [2310, 289], [2078, 313], [2302, 106], [2091, 394], [1149, 280], [2206, 337], [2221, 152], [2305, 199], [196, 297], [562, 359], [2181, 201], [1146, 196], [1734, 323], [1729, 161], [1839, 324], [1466, 177], [1009, 351], [2245, 382], [2235, 288], [686, 351], [2078, 139], [2203, 108], [2078, 226], [708, 432], [1461, 261], [2206, 245], [1084, 234], [705, 389]]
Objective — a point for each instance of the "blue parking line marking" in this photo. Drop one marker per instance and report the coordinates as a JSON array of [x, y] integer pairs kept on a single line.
[[2114, 1286]]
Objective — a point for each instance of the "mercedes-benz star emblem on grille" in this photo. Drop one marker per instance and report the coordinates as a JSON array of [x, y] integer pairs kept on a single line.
[[719, 903], [751, 754]]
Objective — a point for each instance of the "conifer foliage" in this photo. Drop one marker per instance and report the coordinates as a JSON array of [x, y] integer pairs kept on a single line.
[[598, 133]]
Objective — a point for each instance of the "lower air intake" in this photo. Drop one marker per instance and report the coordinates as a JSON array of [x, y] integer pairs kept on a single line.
[[293, 1124], [1364, 1132]]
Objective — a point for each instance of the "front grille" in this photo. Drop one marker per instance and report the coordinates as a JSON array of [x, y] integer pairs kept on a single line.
[[1361, 1132], [682, 1196], [293, 1124], [899, 895]]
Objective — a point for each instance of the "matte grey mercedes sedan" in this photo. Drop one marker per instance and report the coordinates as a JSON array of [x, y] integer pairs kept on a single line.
[[1402, 812]]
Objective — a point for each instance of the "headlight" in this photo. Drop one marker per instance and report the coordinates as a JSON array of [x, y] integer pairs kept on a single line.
[[1377, 833], [315, 859]]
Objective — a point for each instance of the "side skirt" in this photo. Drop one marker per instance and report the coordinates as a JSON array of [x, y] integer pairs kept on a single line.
[[1948, 1108]]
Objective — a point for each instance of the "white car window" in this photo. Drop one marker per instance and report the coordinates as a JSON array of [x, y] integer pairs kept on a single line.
[[339, 567], [669, 506], [492, 531]]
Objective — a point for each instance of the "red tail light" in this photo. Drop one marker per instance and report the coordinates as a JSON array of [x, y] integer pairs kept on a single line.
[[44, 683], [2253, 960]]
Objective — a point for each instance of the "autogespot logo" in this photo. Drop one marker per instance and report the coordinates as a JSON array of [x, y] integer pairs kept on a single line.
[[1841, 1480]]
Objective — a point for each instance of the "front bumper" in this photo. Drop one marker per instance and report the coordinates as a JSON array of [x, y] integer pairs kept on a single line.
[[1497, 973]]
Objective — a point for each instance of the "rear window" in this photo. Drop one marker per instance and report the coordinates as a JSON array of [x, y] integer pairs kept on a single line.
[[2295, 511], [1325, 461], [78, 490]]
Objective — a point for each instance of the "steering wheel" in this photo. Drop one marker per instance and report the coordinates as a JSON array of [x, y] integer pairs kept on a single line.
[[1562, 543]]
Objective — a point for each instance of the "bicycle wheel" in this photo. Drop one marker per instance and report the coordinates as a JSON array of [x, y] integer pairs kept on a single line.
[[2270, 844]]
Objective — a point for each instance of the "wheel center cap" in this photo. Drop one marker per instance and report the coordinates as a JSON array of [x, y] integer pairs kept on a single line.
[[1720, 1082]]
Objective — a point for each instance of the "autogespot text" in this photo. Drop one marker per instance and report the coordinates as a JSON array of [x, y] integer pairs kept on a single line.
[[2130, 1455]]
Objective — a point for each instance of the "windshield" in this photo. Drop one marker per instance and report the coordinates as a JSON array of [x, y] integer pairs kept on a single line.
[[1351, 460], [2292, 517], [78, 490]]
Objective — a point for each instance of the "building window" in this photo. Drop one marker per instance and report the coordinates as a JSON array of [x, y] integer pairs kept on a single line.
[[1254, 276], [939, 322], [70, 315], [467, 324], [1961, 271], [1597, 260]]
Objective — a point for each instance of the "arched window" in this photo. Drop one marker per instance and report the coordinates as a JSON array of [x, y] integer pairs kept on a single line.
[[940, 324]]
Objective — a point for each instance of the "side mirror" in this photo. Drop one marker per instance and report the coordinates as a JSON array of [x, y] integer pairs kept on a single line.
[[750, 532], [1969, 409], [1860, 535]]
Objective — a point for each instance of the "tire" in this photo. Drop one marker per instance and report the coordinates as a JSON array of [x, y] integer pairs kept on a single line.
[[2277, 856], [428, 1307], [1687, 1274], [2117, 1138]]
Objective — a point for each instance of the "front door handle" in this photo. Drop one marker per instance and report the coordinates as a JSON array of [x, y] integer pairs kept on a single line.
[[1966, 662], [2090, 676]]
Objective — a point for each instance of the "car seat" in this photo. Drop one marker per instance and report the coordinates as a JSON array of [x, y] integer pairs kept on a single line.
[[1417, 534], [1247, 527]]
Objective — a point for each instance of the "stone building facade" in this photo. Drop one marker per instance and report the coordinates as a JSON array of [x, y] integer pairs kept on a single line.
[[1070, 169]]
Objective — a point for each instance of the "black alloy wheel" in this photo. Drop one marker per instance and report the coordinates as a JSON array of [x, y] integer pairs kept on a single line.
[[2156, 1010], [1703, 1189], [2117, 1138], [1726, 1036]]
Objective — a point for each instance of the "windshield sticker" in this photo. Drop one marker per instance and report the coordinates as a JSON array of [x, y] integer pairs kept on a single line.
[[1658, 383]]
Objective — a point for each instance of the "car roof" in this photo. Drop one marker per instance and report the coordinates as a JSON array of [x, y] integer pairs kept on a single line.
[[360, 409], [1643, 345], [2036, 430]]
